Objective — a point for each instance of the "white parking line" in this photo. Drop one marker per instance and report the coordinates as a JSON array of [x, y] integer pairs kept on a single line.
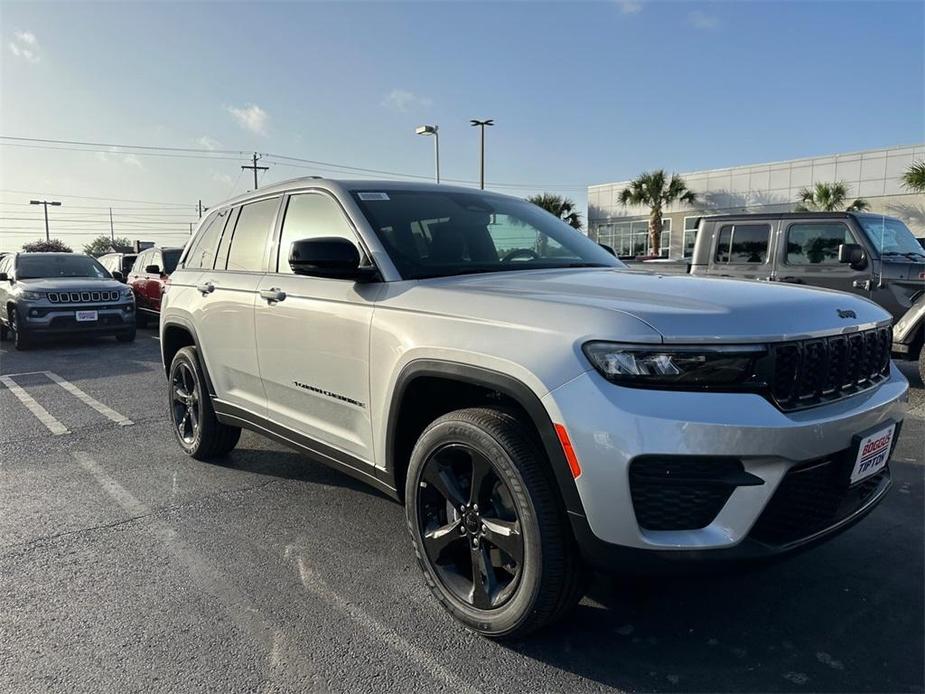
[[104, 410], [43, 415]]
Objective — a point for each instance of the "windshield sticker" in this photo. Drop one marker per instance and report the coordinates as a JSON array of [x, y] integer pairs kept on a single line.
[[373, 196]]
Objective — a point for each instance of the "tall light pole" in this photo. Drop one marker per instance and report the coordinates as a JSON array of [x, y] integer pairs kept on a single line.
[[432, 130], [481, 124], [45, 204]]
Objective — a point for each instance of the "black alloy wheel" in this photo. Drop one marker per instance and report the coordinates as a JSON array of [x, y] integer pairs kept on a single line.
[[470, 528]]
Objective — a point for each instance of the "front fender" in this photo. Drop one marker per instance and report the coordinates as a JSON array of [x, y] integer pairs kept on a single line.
[[909, 327]]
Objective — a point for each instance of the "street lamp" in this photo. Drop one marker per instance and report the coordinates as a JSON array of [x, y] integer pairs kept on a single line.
[[45, 204], [481, 124], [432, 130]]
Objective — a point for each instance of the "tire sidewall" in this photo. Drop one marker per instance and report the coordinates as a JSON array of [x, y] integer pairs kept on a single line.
[[186, 356], [21, 339], [508, 617]]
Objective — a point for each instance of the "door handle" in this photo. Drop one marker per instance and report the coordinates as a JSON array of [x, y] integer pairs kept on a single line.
[[205, 288], [861, 284], [273, 295]]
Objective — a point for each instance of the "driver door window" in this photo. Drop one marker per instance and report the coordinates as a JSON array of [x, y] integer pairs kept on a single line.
[[816, 243], [311, 216]]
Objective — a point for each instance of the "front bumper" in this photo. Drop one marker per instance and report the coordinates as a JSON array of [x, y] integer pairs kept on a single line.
[[56, 320], [611, 427]]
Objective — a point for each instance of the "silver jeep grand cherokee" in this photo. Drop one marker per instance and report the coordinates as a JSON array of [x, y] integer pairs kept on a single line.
[[44, 294], [538, 408]]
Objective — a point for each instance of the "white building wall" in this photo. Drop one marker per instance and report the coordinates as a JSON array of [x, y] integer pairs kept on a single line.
[[875, 175]]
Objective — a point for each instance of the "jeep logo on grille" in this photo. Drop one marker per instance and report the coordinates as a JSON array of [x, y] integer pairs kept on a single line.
[[846, 313]]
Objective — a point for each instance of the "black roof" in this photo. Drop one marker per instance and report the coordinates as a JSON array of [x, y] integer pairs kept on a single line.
[[791, 215]]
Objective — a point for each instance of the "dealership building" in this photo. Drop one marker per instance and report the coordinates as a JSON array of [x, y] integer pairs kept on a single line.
[[874, 175]]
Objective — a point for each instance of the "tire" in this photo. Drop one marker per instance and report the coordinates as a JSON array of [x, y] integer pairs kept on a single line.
[[922, 363], [4, 332], [521, 596], [127, 335], [195, 426], [22, 340], [141, 319]]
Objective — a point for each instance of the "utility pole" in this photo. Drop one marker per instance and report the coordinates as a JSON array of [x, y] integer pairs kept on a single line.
[[46, 203], [481, 124], [112, 232], [200, 205], [191, 228], [256, 168]]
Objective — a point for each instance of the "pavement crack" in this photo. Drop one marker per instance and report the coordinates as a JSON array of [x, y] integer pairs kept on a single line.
[[138, 517]]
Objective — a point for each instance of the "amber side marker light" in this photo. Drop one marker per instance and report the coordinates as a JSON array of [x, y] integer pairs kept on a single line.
[[570, 456]]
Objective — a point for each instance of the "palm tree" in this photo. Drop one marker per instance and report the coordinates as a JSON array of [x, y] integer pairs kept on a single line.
[[655, 189], [829, 197], [914, 178], [561, 207]]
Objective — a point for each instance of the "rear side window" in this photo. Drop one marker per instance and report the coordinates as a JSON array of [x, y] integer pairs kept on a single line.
[[202, 254], [311, 216], [221, 258], [251, 233], [816, 243], [140, 262], [743, 244]]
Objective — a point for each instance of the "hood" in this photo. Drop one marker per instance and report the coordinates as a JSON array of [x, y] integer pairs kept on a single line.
[[685, 308], [74, 284]]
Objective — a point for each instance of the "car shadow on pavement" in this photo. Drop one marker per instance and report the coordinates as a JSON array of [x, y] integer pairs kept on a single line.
[[814, 622], [291, 465]]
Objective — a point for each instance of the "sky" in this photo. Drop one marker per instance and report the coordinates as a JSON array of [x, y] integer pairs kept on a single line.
[[580, 92]]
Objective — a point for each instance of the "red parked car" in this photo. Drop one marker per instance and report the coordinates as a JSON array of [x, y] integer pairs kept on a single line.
[[147, 279]]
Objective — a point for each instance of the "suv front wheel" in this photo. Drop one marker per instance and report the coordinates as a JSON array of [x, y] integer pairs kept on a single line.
[[487, 526], [197, 429]]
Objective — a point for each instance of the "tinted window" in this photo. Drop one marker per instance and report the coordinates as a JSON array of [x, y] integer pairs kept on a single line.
[[54, 265], [202, 254], [816, 243], [249, 241], [742, 244], [170, 258], [430, 233], [221, 258], [311, 216]]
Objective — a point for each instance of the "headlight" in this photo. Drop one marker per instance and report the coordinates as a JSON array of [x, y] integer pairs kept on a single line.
[[31, 296], [693, 367], [127, 293]]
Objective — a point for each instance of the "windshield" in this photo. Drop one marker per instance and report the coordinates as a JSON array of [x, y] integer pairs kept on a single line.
[[434, 234], [171, 258], [53, 265], [891, 237]]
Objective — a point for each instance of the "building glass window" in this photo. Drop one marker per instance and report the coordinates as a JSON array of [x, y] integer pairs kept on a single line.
[[690, 236]]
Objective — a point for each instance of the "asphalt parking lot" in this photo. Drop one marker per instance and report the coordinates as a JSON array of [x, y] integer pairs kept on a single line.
[[125, 566]]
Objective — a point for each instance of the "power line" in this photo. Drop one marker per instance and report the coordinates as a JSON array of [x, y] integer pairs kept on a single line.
[[90, 197], [282, 158]]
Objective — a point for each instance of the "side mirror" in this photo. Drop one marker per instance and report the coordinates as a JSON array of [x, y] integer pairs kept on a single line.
[[609, 249], [153, 269], [852, 254], [116, 275], [329, 256]]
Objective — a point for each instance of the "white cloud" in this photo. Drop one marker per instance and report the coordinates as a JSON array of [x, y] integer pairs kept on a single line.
[[24, 45], [701, 20], [207, 142], [402, 100], [630, 7], [115, 156], [222, 178], [250, 117]]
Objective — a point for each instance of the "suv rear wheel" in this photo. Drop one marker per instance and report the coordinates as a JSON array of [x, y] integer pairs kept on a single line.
[[487, 526], [197, 430]]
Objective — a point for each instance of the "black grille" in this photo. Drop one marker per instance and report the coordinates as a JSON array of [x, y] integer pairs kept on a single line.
[[815, 496], [680, 493], [81, 297], [813, 371]]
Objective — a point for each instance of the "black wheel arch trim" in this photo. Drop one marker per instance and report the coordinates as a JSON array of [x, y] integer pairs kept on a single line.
[[187, 327], [507, 385]]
